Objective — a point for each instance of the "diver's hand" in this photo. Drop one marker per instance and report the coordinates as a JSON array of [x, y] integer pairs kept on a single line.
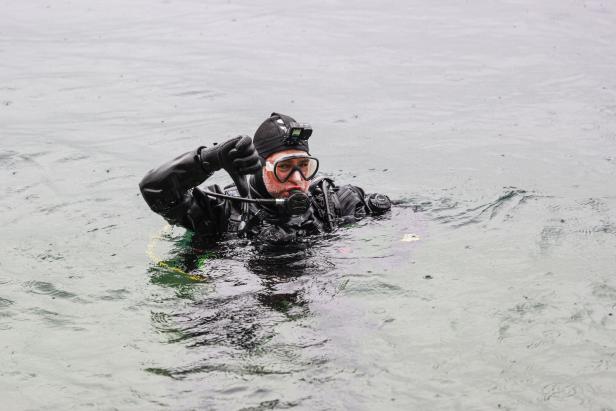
[[237, 156], [243, 157]]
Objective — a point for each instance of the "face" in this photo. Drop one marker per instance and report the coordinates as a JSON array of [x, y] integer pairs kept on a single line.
[[295, 181]]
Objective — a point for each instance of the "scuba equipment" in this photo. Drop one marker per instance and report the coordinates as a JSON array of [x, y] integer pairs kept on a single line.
[[330, 217], [297, 132], [284, 167], [297, 203], [378, 203]]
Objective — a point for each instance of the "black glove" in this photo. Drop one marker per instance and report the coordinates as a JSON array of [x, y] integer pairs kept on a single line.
[[237, 156]]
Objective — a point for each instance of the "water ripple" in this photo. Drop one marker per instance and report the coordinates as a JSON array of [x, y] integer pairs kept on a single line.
[[45, 288], [506, 203], [53, 318], [5, 302]]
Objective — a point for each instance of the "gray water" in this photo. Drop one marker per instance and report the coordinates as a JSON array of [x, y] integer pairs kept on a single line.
[[489, 286]]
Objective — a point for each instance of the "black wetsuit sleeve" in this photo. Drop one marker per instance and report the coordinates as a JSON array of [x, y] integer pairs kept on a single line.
[[171, 191], [354, 202]]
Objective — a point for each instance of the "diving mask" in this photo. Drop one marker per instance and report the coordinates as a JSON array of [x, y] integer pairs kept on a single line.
[[284, 167]]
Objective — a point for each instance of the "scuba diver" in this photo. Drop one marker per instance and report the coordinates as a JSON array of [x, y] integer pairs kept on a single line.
[[277, 196]]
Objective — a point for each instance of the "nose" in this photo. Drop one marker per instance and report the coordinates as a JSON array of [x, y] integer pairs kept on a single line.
[[295, 177]]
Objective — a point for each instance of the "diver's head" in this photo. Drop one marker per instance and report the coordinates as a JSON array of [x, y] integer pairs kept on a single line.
[[282, 144], [287, 171]]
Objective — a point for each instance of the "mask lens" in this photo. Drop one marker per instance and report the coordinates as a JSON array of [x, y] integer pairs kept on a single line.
[[307, 167]]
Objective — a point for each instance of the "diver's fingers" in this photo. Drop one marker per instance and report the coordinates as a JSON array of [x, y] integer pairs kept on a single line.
[[244, 145], [252, 158], [243, 148], [248, 164]]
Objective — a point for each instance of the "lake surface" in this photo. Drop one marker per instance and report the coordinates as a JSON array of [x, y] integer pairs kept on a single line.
[[491, 284]]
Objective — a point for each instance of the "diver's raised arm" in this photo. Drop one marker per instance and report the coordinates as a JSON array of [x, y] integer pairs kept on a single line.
[[165, 187]]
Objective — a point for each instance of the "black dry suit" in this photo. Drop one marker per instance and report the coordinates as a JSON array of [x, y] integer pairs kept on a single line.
[[173, 191]]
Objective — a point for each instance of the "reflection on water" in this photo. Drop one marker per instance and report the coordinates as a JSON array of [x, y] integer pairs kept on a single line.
[[250, 294]]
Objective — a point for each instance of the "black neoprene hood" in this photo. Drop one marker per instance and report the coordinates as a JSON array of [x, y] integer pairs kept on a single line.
[[271, 134]]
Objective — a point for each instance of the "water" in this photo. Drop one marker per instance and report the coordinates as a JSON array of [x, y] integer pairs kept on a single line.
[[490, 286]]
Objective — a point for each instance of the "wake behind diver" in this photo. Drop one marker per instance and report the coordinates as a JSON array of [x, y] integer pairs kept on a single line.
[[277, 197]]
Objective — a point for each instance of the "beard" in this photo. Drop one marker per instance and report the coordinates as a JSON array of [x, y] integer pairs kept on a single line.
[[282, 190]]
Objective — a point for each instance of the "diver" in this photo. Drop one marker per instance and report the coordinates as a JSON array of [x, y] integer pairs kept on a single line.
[[277, 196]]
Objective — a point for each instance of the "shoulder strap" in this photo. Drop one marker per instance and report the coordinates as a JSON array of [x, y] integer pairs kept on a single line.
[[326, 186]]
